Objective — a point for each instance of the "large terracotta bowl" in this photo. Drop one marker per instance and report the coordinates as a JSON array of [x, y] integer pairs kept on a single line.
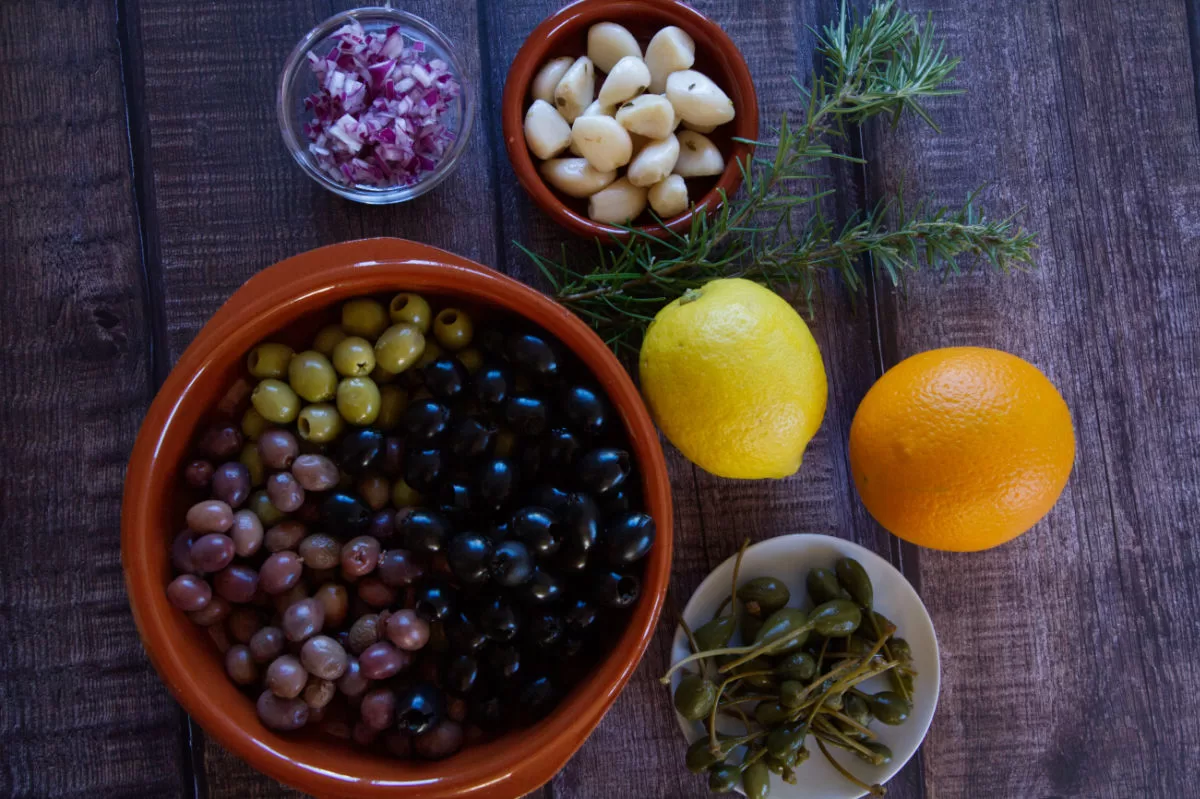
[[564, 33], [282, 299]]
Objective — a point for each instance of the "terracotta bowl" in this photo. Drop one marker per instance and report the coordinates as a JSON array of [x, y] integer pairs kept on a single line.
[[281, 301], [565, 34]]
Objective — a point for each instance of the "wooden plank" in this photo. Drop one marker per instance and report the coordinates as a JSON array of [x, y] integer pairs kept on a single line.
[[1064, 650], [81, 712]]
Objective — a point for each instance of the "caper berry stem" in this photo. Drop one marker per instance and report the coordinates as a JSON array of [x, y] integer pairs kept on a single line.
[[874, 790], [737, 568], [821, 655], [887, 652], [728, 650], [741, 700], [842, 717], [826, 731], [712, 715], [688, 632], [751, 652]]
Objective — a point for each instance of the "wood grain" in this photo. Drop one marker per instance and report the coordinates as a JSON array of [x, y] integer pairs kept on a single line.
[[81, 712]]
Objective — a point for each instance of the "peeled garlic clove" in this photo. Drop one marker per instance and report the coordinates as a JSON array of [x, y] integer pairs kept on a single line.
[[576, 89], [602, 141], [669, 51], [575, 176], [669, 197], [548, 77], [617, 204], [654, 162], [596, 109], [698, 156], [628, 78], [700, 128], [608, 43], [697, 99], [650, 115], [546, 132]]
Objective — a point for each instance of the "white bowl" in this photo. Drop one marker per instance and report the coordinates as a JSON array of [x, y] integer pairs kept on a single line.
[[789, 558]]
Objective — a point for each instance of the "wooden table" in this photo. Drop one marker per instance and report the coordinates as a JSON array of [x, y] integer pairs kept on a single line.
[[143, 180]]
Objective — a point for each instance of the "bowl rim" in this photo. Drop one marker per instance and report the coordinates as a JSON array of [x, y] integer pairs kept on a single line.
[[271, 299], [296, 145], [532, 55]]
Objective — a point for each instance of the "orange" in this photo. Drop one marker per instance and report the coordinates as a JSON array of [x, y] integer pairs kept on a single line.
[[961, 448]]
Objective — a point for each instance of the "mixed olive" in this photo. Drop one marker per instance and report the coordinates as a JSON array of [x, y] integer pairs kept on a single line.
[[800, 674], [419, 534]]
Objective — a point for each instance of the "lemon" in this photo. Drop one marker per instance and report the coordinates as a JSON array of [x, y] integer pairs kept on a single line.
[[734, 379]]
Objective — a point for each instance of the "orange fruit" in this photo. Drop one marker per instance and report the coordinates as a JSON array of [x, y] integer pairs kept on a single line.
[[961, 448]]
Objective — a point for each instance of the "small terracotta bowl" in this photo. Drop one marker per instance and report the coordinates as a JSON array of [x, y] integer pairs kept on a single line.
[[286, 300], [564, 33]]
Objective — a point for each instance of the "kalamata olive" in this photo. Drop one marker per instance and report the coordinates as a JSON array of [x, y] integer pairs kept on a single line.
[[320, 551], [280, 571], [221, 442], [423, 531], [378, 708], [215, 612], [511, 564], [285, 535], [616, 590], [267, 644], [419, 708], [425, 420], [533, 354], [537, 697], [445, 378], [464, 635], [493, 383], [602, 470], [435, 600], [318, 693], [393, 456], [286, 676], [375, 592], [503, 662], [382, 660], [469, 556], [345, 515], [286, 599], [210, 516], [550, 497], [189, 593], [303, 619], [561, 448], [407, 630], [236, 583], [398, 568], [353, 683], [543, 588], [181, 552], [365, 631], [212, 552], [240, 666], [526, 414], [324, 657], [471, 438], [362, 734], [585, 410], [488, 712], [278, 448], [498, 619], [198, 473], [315, 472], [382, 524], [544, 630], [628, 538], [374, 490], [243, 623], [360, 556], [286, 494], [443, 740], [422, 468], [579, 615], [537, 529], [495, 483], [284, 715], [231, 483], [247, 533], [454, 499], [399, 744], [580, 528], [360, 450]]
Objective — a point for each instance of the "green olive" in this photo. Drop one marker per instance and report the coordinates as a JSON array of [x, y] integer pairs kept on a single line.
[[724, 778], [695, 697], [453, 329], [354, 357], [716, 633], [399, 347], [471, 359], [253, 463], [432, 353], [411, 309], [267, 513], [889, 707], [823, 586], [791, 693], [364, 317], [784, 742], [328, 338], [782, 623], [382, 376], [312, 376], [358, 400], [320, 423], [404, 495], [269, 360], [275, 401], [770, 714], [392, 402], [796, 666], [756, 780], [853, 577], [253, 424], [836, 619], [762, 596]]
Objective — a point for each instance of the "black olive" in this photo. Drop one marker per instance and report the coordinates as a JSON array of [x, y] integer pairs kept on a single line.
[[579, 615], [549, 497], [628, 538], [537, 697], [561, 448], [491, 340], [498, 619], [445, 378], [537, 529], [529, 462], [498, 531], [360, 450], [422, 468], [504, 662], [471, 438], [419, 708], [511, 564], [573, 559], [495, 482], [345, 515], [464, 635], [543, 588], [544, 630], [585, 410], [603, 470], [454, 497], [435, 599], [493, 383], [580, 529], [425, 420], [533, 354], [572, 645], [469, 556], [527, 415], [617, 590], [619, 501], [423, 531], [488, 712], [393, 456], [461, 674]]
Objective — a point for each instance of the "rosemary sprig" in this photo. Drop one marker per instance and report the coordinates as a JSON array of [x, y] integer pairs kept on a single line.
[[885, 64]]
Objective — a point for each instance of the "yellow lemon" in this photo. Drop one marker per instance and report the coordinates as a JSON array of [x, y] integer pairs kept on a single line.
[[734, 379]]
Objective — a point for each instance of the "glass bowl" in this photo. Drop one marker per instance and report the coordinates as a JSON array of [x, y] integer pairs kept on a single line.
[[297, 82]]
